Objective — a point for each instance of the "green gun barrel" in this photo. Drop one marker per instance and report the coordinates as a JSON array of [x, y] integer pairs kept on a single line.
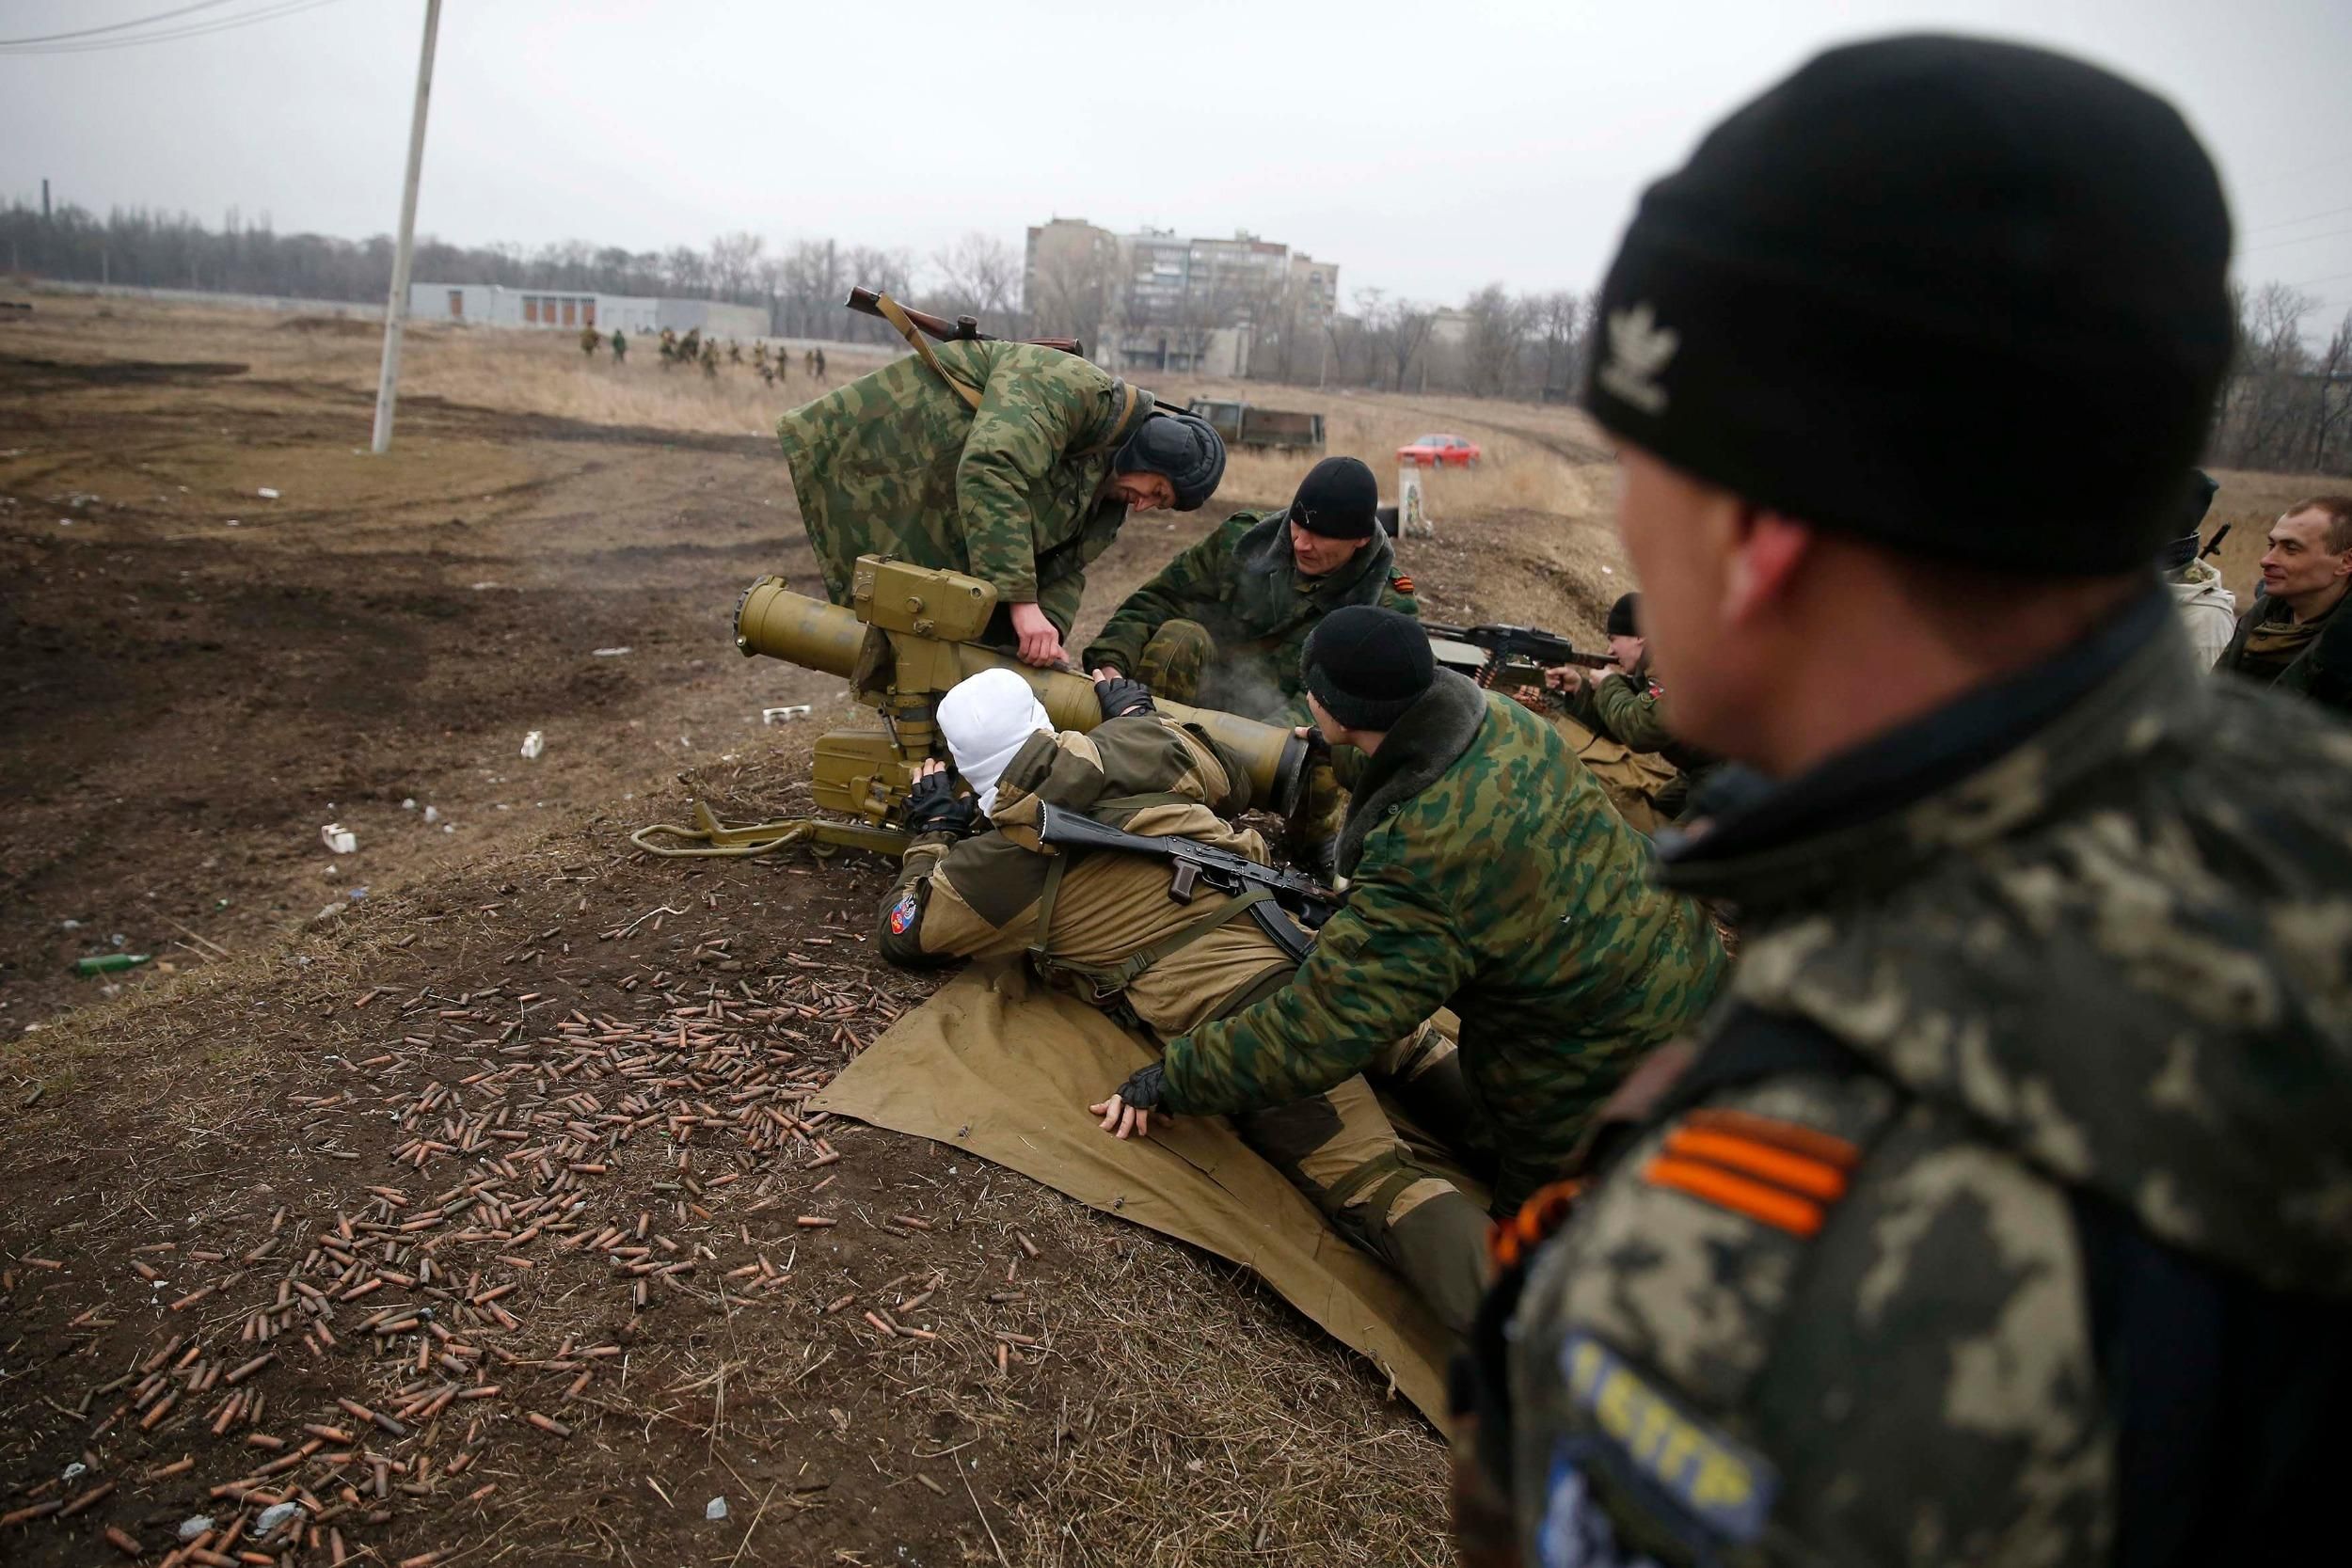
[[773, 620]]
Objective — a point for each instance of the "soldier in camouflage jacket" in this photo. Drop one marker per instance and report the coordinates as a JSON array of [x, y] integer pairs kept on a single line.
[[1014, 463], [1224, 623], [2003, 1214], [1490, 875]]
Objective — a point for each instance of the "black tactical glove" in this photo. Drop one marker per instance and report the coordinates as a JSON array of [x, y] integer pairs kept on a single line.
[[1144, 1088], [1123, 696], [934, 807]]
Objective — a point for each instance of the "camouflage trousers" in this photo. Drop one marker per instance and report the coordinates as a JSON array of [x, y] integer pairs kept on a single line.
[[1388, 1187], [1181, 663], [1173, 659], [1178, 664]]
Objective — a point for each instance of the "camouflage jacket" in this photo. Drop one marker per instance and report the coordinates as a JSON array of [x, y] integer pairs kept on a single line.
[[1626, 708], [2076, 946], [2322, 672], [1243, 585], [897, 464], [981, 896], [1490, 876], [1631, 710]]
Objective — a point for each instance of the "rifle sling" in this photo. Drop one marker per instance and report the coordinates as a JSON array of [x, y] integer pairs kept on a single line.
[[1109, 980], [893, 312]]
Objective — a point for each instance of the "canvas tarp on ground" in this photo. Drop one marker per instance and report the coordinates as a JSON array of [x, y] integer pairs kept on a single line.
[[1009, 1077]]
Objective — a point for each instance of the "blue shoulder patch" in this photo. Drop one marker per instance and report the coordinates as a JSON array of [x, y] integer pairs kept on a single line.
[[1576, 1534], [903, 915], [1648, 1440]]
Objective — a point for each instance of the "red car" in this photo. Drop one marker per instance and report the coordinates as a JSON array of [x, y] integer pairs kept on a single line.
[[1440, 452]]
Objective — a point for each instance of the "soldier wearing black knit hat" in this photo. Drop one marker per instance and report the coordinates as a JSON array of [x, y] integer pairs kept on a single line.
[[1224, 623], [1614, 718], [1981, 1223], [1489, 876]]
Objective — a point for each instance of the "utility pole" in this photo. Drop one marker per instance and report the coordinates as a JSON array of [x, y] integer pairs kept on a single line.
[[44, 199], [396, 309]]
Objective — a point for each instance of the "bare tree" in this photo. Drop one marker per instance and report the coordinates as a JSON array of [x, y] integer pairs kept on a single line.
[[1399, 330], [1075, 294], [977, 275], [1554, 320], [1499, 327], [2266, 407], [684, 270], [735, 263], [812, 289]]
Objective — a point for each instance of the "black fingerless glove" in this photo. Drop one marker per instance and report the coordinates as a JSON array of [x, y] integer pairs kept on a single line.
[[1144, 1088], [934, 807], [1122, 697]]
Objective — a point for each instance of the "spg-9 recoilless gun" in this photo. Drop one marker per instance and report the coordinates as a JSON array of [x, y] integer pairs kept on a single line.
[[902, 643]]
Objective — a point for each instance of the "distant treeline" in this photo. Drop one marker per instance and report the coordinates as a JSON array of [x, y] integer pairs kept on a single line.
[[2288, 404], [800, 289]]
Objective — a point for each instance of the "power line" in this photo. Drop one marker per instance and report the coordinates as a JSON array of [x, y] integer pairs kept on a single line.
[[2306, 239], [113, 27], [269, 12], [2289, 223]]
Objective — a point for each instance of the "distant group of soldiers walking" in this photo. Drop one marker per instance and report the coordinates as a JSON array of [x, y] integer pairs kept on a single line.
[[773, 366]]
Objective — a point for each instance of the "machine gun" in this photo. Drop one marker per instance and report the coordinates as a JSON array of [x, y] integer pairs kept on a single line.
[[1506, 659], [965, 329], [1193, 865], [902, 643]]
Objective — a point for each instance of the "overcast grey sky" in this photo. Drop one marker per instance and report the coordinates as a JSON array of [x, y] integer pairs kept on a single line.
[[1426, 147]]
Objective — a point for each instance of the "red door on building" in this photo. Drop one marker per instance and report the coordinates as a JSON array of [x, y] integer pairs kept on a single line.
[[457, 304], [587, 312], [530, 309], [569, 317]]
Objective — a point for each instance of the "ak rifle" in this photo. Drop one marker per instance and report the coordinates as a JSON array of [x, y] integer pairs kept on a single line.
[[964, 329], [1517, 656], [1194, 866]]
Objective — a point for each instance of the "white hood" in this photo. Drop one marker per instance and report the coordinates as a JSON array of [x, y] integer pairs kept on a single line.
[[986, 719], [2208, 610]]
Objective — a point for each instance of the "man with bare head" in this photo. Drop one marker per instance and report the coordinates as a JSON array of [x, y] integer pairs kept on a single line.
[[2293, 638]]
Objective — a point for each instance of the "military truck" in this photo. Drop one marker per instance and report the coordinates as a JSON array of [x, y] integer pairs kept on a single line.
[[1247, 424]]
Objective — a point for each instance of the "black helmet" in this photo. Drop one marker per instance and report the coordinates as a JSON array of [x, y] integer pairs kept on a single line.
[[1182, 448]]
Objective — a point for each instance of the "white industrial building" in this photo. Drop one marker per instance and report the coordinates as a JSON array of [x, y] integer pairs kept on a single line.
[[495, 305]]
